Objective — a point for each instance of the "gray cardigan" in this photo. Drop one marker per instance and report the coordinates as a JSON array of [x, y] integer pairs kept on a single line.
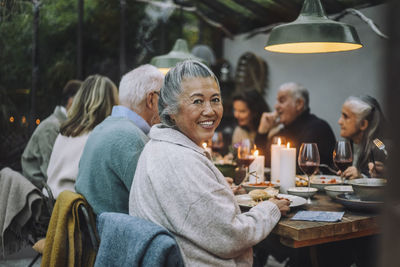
[[178, 187]]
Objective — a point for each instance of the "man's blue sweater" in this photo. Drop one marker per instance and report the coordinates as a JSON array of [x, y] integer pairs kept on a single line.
[[108, 164]]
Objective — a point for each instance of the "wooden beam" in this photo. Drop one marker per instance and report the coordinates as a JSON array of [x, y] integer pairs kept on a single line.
[[270, 12], [221, 8]]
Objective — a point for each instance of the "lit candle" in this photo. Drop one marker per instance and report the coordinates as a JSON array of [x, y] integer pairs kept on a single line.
[[287, 167], [275, 149], [257, 167], [207, 148]]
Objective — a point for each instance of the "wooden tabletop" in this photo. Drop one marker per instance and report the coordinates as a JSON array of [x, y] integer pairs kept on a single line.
[[304, 233]]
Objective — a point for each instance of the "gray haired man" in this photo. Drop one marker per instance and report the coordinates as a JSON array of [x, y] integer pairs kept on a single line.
[[292, 119], [110, 156]]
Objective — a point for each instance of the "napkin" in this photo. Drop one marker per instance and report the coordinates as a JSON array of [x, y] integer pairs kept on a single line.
[[318, 216]]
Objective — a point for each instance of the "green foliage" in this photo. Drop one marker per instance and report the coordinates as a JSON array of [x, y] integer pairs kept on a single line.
[[58, 22]]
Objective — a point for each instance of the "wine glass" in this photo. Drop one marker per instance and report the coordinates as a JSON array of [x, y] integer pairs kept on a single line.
[[308, 161], [342, 155], [245, 156], [217, 142]]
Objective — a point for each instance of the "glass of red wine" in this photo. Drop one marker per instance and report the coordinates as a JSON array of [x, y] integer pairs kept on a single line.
[[308, 161], [342, 155], [217, 142], [245, 156]]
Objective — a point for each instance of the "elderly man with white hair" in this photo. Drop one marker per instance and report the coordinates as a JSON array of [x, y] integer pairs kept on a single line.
[[109, 160], [292, 119]]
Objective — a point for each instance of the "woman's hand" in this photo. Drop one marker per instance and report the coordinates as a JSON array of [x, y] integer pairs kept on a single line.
[[235, 189], [377, 169], [350, 173], [283, 205], [267, 122]]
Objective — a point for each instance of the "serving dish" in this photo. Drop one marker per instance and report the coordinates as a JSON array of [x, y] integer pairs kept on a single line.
[[228, 170], [246, 202], [353, 202], [320, 181], [302, 191], [369, 188], [334, 190], [250, 186]]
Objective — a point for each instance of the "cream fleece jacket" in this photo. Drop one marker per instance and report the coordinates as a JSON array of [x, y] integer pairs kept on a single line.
[[178, 187]]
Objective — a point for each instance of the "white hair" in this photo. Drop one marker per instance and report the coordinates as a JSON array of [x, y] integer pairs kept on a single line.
[[358, 107], [137, 83], [297, 91]]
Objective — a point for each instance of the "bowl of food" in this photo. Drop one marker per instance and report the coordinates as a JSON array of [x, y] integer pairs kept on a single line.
[[227, 169], [334, 190], [262, 185], [320, 181], [370, 189], [302, 191]]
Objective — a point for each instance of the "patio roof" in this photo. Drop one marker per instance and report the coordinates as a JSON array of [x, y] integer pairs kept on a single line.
[[239, 16]]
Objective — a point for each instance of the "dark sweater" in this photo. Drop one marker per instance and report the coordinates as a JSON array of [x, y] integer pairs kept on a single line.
[[307, 128]]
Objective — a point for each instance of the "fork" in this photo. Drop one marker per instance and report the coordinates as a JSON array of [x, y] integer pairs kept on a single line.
[[379, 144], [329, 168]]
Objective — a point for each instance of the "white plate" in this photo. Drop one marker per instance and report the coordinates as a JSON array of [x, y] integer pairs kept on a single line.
[[320, 181], [302, 191], [249, 186], [245, 200]]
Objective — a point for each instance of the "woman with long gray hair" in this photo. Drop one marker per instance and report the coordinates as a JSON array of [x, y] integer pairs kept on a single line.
[[177, 186], [361, 122]]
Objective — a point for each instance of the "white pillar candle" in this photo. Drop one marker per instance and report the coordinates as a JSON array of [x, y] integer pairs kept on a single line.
[[275, 151], [287, 168], [257, 167]]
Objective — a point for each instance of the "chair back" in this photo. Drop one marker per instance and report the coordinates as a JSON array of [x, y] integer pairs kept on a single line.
[[68, 238]]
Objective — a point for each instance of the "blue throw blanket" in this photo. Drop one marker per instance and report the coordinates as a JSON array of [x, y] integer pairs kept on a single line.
[[131, 241]]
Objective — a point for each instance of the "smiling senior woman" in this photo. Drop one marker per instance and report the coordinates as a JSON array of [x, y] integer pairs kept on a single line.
[[177, 186]]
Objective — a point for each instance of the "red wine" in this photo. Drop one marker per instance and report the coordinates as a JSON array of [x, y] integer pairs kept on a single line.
[[343, 164], [245, 161], [309, 168]]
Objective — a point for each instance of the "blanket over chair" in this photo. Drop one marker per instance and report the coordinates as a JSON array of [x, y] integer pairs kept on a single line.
[[20, 201], [131, 241], [64, 245]]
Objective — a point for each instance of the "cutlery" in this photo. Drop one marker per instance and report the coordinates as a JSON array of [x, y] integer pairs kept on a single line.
[[379, 144], [329, 168]]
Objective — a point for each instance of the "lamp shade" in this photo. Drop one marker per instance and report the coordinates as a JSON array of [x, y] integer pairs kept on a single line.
[[179, 52], [313, 32]]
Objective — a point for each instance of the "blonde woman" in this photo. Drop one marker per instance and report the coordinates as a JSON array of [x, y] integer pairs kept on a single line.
[[92, 104]]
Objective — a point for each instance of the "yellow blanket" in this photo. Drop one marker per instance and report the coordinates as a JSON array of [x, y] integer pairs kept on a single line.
[[64, 246]]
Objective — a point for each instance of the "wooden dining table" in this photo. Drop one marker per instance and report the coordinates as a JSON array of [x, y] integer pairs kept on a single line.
[[298, 234]]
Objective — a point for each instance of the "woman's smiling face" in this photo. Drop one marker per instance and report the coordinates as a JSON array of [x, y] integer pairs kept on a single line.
[[200, 109]]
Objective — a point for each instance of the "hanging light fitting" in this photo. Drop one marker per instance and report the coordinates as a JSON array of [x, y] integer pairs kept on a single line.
[[179, 52], [313, 32]]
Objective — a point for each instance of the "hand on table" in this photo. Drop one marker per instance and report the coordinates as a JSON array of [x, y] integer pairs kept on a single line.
[[377, 169], [267, 122], [350, 173], [283, 205]]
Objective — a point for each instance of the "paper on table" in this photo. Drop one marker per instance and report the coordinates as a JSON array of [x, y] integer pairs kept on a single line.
[[318, 216]]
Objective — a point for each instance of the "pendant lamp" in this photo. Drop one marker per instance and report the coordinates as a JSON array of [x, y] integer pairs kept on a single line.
[[179, 53], [313, 32]]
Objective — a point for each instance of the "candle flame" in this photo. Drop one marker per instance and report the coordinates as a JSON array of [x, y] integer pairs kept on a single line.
[[288, 145], [279, 141], [256, 153], [204, 145]]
